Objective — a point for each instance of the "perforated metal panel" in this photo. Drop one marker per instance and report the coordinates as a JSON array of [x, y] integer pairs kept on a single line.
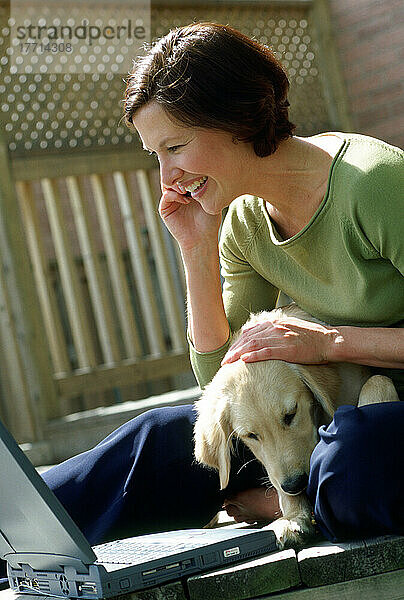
[[52, 112]]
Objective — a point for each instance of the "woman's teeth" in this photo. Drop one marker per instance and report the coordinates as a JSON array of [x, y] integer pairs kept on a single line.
[[195, 185]]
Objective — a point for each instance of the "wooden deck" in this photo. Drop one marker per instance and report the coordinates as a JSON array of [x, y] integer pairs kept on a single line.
[[371, 569]]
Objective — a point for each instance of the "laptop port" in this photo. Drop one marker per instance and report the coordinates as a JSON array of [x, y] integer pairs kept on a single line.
[[86, 587], [150, 572], [26, 584]]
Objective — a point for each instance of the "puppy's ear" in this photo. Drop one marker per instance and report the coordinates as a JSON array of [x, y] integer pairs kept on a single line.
[[323, 382], [212, 434]]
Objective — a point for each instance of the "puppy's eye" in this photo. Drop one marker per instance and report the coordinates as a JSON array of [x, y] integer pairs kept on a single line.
[[288, 418], [252, 436]]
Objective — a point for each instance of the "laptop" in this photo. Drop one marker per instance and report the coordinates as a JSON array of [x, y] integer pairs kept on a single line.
[[46, 553]]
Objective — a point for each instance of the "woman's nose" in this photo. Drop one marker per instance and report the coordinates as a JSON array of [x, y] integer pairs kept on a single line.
[[169, 174]]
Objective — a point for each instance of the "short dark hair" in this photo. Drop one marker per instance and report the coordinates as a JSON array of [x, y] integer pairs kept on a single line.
[[212, 76]]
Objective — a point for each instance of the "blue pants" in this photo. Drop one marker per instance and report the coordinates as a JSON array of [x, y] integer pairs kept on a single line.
[[356, 482], [142, 478]]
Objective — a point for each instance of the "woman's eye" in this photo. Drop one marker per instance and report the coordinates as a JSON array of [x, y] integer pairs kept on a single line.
[[288, 418], [174, 148], [252, 436]]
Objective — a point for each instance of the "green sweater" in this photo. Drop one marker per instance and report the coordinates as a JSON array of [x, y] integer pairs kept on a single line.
[[345, 267]]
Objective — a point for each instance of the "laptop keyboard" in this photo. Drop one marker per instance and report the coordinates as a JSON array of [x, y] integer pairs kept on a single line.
[[128, 552]]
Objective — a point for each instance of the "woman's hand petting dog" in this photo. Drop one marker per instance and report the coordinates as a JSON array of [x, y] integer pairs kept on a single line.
[[287, 338]]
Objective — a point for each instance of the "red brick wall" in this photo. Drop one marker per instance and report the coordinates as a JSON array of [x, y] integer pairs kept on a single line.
[[370, 41]]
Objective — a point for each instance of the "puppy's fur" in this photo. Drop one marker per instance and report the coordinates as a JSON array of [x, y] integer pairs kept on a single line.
[[275, 408]]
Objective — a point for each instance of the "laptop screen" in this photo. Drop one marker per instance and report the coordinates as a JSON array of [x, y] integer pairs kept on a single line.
[[30, 511]]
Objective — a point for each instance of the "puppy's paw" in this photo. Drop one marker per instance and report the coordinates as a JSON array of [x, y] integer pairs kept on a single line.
[[292, 533]]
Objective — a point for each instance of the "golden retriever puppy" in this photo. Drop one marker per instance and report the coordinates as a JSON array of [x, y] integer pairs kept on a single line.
[[275, 408]]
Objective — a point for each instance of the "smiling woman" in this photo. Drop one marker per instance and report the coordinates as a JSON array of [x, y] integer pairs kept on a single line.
[[222, 132], [322, 223]]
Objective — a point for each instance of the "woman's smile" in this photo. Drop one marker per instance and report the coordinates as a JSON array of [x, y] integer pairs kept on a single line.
[[195, 188]]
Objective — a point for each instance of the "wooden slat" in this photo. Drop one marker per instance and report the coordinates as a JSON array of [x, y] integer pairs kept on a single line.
[[387, 586], [63, 164], [101, 306], [177, 267], [180, 267], [116, 269], [54, 331], [256, 3], [170, 299], [129, 372], [27, 331], [140, 267], [71, 287], [327, 563], [7, 414], [18, 404], [251, 579], [333, 84]]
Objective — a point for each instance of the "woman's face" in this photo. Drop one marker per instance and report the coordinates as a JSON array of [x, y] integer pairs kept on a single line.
[[203, 162]]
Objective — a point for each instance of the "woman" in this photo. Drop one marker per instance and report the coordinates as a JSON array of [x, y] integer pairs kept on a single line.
[[322, 225]]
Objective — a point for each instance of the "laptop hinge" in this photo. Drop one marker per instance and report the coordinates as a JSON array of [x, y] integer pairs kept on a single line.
[[45, 562]]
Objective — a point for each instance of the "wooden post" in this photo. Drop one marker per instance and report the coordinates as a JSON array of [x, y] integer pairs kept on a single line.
[[101, 307], [330, 70], [22, 333], [75, 305], [116, 269], [140, 268], [46, 294], [170, 299]]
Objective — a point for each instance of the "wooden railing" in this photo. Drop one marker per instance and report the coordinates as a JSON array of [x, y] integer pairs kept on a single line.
[[107, 276]]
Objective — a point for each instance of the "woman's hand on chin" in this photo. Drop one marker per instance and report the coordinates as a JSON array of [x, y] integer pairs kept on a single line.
[[186, 220]]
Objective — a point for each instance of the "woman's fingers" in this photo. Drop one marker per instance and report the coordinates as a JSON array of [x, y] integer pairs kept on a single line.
[[252, 339], [173, 196], [171, 201], [257, 355], [256, 350]]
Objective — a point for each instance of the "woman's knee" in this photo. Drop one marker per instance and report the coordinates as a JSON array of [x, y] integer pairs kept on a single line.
[[355, 476]]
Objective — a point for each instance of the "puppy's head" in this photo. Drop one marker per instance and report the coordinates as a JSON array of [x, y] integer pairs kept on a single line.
[[275, 408]]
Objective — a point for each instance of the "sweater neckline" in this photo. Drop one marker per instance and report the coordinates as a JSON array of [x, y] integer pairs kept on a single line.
[[276, 239]]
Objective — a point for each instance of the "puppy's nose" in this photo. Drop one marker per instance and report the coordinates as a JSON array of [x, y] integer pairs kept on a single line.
[[296, 484]]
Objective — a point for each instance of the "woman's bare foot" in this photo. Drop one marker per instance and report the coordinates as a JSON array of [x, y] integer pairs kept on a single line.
[[256, 504]]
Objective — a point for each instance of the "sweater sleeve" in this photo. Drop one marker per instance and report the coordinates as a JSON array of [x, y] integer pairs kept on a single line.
[[244, 289], [381, 207]]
